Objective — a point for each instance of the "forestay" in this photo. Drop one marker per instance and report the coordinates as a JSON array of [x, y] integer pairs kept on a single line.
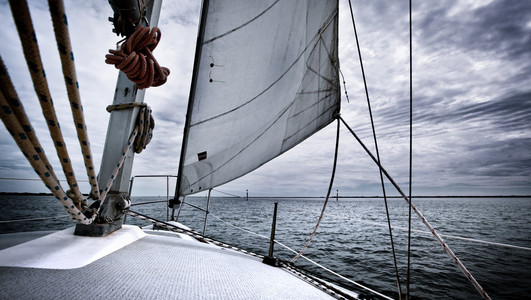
[[266, 77]]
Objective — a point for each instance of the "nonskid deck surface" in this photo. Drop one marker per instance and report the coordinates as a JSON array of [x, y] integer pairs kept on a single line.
[[160, 266]]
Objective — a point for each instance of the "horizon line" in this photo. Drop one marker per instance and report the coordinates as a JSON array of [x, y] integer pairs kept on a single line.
[[314, 197]]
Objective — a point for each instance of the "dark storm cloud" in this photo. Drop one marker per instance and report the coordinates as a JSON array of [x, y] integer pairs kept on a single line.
[[510, 113], [471, 95], [478, 139], [501, 26], [494, 161], [504, 25]]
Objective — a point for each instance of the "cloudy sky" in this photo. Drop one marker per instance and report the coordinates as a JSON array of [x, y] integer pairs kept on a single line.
[[472, 99]]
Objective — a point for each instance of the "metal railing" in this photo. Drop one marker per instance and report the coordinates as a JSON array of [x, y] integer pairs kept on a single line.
[[154, 176]]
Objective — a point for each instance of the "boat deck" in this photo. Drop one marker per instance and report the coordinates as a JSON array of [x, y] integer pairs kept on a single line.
[[158, 265]]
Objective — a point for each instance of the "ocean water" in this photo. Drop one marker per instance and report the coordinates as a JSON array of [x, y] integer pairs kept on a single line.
[[353, 238]]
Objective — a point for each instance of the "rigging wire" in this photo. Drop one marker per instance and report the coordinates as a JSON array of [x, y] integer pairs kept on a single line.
[[228, 194], [435, 234], [344, 85], [377, 152], [410, 149], [327, 196], [462, 238]]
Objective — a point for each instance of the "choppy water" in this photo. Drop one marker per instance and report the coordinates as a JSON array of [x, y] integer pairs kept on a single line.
[[353, 238]]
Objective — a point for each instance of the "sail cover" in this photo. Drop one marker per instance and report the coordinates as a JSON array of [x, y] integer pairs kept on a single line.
[[265, 78]]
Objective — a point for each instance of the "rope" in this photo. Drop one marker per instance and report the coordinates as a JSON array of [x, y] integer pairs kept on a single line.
[[144, 123], [15, 119], [377, 154], [13, 114], [60, 26], [136, 60], [28, 39], [119, 165], [326, 200], [423, 219]]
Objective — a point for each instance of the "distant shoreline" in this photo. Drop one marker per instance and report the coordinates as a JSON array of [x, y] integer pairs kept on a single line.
[[27, 194], [312, 197]]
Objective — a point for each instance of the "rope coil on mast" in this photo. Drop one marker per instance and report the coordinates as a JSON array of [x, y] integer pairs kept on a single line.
[[145, 123], [135, 58]]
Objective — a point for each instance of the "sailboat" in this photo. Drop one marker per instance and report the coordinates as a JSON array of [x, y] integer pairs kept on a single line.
[[243, 111]]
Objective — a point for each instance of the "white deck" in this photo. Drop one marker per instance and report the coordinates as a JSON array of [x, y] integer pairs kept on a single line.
[[64, 250], [159, 265]]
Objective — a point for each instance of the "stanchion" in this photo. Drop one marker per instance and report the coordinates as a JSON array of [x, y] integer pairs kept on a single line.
[[269, 259]]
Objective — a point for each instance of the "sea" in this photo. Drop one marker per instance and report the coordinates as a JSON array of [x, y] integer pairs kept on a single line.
[[353, 237]]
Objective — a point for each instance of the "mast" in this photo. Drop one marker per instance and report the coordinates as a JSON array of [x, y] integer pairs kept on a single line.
[[197, 60], [121, 124]]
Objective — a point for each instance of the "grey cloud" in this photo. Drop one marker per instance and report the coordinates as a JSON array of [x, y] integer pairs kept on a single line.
[[501, 26], [511, 113]]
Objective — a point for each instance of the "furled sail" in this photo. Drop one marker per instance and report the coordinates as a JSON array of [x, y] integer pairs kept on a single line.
[[266, 77]]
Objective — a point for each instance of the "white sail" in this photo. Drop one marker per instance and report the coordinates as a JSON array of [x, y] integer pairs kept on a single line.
[[265, 78]]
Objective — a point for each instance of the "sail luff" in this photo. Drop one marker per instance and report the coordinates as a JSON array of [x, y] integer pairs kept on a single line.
[[197, 60]]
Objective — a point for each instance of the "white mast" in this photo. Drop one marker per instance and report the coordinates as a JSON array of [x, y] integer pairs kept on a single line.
[[121, 124]]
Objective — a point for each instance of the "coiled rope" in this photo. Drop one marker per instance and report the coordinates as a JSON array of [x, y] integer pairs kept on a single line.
[[135, 58], [144, 123]]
